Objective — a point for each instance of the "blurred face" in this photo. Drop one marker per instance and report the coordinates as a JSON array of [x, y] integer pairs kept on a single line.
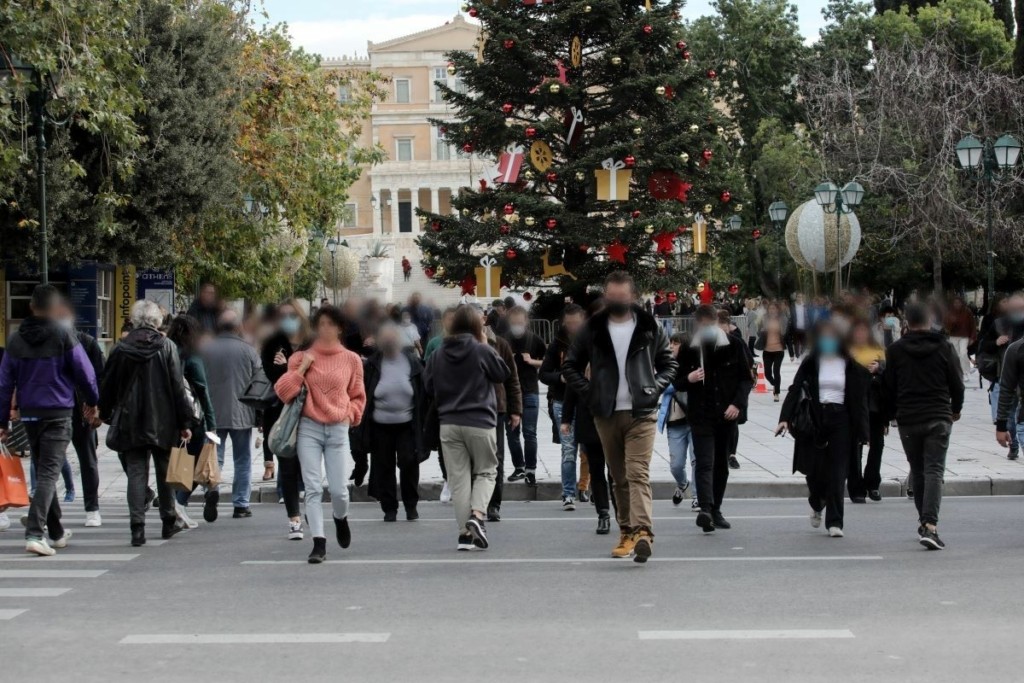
[[288, 320], [446, 321], [572, 324], [828, 341], [63, 316], [957, 304], [208, 295], [675, 347], [327, 332], [860, 336], [799, 298], [1015, 308], [618, 297], [517, 324], [388, 341]]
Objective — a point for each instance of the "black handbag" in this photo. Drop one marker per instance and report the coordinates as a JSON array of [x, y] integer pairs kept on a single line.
[[260, 393], [804, 424]]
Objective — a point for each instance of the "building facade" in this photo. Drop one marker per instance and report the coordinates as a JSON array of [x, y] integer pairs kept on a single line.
[[421, 169]]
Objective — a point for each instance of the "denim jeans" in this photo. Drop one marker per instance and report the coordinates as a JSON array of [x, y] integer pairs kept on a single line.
[[679, 450], [568, 442], [323, 447], [241, 450], [528, 428], [993, 399], [48, 441]]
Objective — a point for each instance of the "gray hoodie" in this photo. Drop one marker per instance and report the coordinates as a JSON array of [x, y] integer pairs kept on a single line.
[[460, 376]]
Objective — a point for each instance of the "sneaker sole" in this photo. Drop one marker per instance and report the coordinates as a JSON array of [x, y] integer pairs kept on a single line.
[[465, 547], [315, 560], [642, 551], [930, 544], [705, 523], [479, 536], [40, 552], [295, 537]]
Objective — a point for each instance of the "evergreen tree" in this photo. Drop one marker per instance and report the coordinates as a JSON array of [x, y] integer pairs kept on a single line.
[[582, 85]]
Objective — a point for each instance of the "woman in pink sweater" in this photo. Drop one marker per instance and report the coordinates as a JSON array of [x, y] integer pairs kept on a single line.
[[335, 401]]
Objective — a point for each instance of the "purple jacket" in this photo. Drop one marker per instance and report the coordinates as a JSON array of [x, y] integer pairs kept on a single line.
[[45, 363]]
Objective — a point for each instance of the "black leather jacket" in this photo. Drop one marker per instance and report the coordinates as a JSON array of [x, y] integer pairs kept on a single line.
[[144, 378], [650, 366]]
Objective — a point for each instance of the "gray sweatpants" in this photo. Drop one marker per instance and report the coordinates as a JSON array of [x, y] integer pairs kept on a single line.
[[470, 455]]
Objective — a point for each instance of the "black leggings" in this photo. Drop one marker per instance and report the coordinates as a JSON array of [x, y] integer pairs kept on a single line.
[[832, 463], [598, 479], [773, 369], [289, 474], [711, 455], [394, 449]]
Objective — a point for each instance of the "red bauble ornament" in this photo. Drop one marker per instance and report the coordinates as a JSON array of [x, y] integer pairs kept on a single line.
[[552, 177], [725, 196], [648, 29], [584, 248], [429, 272], [435, 226], [681, 45], [707, 155], [734, 288], [510, 253], [531, 132], [712, 74], [755, 233], [505, 229], [636, 213], [473, 12], [508, 43], [551, 224], [468, 148], [527, 296], [630, 161], [672, 297], [686, 55], [509, 209], [507, 108]]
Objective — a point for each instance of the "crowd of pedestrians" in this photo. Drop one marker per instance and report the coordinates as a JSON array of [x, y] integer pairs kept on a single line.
[[368, 392]]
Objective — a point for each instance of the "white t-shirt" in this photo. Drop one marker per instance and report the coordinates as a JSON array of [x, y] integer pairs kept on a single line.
[[799, 316], [622, 334], [832, 380], [410, 334]]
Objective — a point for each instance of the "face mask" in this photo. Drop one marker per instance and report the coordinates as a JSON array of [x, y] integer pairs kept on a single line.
[[892, 322], [618, 308], [290, 326], [828, 346], [67, 323], [406, 320], [1016, 317], [517, 330], [709, 333]]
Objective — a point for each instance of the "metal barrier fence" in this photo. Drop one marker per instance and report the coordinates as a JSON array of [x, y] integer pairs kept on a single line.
[[685, 324]]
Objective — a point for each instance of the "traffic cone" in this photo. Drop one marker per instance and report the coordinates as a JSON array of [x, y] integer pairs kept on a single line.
[[762, 383]]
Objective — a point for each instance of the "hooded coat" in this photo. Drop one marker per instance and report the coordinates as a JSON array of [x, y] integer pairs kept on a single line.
[[923, 380], [460, 377]]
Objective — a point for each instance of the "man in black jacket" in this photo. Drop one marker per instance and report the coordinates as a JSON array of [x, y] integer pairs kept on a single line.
[[550, 373], [714, 373], [924, 392], [993, 346], [630, 366]]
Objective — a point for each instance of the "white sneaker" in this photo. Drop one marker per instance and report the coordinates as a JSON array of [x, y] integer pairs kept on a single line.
[[182, 514], [815, 519], [835, 532], [294, 531], [39, 547], [446, 494], [62, 542], [5, 521], [93, 519]]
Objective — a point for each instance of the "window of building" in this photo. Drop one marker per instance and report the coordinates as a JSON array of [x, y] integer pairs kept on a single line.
[[105, 304], [344, 94], [403, 90], [440, 75], [348, 217], [460, 86], [404, 149]]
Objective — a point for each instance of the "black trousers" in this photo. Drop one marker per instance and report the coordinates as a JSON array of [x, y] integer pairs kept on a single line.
[[799, 341], [499, 481], [832, 463], [394, 449], [773, 369], [137, 466], [711, 454], [599, 490], [876, 444], [85, 441], [289, 473]]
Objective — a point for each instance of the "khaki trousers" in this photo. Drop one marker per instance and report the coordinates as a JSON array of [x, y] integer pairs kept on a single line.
[[628, 446], [470, 456]]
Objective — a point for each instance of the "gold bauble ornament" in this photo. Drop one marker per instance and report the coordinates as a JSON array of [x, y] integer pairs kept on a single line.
[[661, 264], [649, 229], [529, 175], [586, 9], [694, 128], [638, 131], [555, 89], [721, 131], [423, 221], [708, 208], [530, 221], [451, 69], [660, 90], [581, 176], [439, 272], [704, 92], [616, 60], [738, 208], [684, 157], [465, 212], [514, 218]]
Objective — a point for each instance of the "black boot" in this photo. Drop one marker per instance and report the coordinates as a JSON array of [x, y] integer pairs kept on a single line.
[[343, 533], [171, 527], [719, 520], [604, 523], [319, 553], [138, 535]]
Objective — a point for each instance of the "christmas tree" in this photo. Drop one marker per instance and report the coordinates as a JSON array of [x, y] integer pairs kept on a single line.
[[608, 149]]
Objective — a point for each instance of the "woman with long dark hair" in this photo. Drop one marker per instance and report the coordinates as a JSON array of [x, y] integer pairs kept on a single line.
[[865, 349], [831, 390]]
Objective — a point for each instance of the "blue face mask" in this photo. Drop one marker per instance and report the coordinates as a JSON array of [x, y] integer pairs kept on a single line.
[[709, 334], [892, 322], [1016, 317], [828, 346], [290, 326]]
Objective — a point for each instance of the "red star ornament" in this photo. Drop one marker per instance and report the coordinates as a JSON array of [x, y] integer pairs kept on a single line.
[[617, 251], [468, 284], [683, 191], [665, 242]]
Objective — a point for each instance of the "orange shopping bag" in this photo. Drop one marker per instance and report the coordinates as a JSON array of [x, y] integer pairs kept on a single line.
[[13, 489]]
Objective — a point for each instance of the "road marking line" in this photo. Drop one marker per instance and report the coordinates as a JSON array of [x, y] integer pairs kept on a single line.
[[588, 518], [83, 542], [61, 556], [252, 638], [7, 614], [744, 634], [472, 558], [51, 573], [32, 592]]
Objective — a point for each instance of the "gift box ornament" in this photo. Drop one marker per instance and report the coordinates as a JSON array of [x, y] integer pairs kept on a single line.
[[613, 180]]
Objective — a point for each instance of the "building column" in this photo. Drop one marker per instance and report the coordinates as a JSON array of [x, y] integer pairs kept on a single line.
[[378, 216], [435, 200], [394, 211], [414, 202]]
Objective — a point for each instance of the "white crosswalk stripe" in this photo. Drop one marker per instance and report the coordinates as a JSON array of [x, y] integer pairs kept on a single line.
[[66, 556], [6, 614], [33, 592]]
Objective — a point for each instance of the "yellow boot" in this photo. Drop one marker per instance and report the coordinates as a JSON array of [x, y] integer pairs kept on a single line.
[[625, 547]]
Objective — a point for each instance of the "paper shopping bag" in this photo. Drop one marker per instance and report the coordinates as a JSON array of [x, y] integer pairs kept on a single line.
[[179, 470], [13, 489], [207, 472]]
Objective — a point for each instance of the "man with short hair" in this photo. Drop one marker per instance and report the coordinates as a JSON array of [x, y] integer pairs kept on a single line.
[[230, 365], [630, 365], [45, 364], [924, 393], [528, 351], [573, 317], [206, 307], [496, 317], [421, 315]]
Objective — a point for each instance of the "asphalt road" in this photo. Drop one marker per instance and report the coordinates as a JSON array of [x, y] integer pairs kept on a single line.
[[770, 600]]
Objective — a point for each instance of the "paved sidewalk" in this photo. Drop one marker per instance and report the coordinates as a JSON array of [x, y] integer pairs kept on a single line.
[[976, 464]]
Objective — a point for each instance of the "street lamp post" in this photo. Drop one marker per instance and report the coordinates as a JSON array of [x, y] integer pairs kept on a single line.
[[777, 212], [45, 86], [987, 159], [839, 202], [332, 247], [382, 203]]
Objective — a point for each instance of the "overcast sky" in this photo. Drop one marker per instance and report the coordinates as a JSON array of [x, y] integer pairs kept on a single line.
[[334, 28]]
